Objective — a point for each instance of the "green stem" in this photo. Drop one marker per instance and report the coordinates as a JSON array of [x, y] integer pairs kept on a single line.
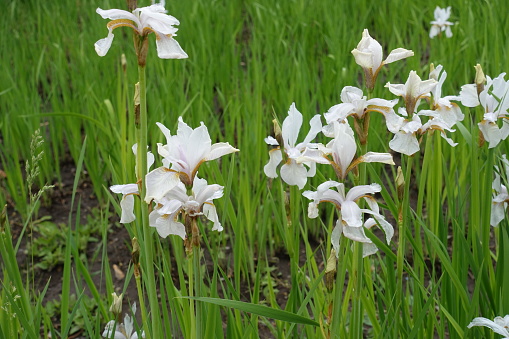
[[146, 244], [190, 274], [197, 288], [403, 222]]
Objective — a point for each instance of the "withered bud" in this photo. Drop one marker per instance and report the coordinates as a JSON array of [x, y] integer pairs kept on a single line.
[[137, 104], [135, 254], [400, 183], [330, 271], [278, 134], [480, 79], [132, 5]]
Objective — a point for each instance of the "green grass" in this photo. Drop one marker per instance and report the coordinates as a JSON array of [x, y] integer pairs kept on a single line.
[[248, 61]]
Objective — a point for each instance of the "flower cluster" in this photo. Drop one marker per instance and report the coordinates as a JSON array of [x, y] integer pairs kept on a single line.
[[493, 98], [175, 187], [407, 125], [500, 194]]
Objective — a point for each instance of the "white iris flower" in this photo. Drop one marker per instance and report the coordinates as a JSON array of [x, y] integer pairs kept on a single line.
[[368, 55], [183, 154], [145, 20], [164, 217], [441, 22]]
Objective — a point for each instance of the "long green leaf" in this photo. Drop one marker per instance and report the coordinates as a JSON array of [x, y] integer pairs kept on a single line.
[[261, 310]]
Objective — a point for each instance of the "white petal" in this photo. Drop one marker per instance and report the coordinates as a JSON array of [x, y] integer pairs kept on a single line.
[[490, 132], [103, 46], [351, 93], [468, 95], [434, 31], [219, 149], [351, 214], [358, 191], [480, 321], [398, 54], [271, 141], [124, 189], [159, 182], [108, 329], [127, 205], [209, 210], [339, 112], [356, 234], [169, 48], [165, 131], [166, 225], [115, 14], [313, 156], [291, 126], [336, 236], [275, 157], [404, 143], [497, 213], [368, 249], [396, 89], [385, 158], [316, 127], [294, 174]]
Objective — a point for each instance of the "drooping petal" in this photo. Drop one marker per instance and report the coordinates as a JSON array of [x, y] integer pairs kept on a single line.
[[103, 46], [127, 205], [166, 225], [497, 213], [169, 48], [275, 158], [405, 143], [480, 321], [356, 234], [490, 132], [336, 236], [468, 95], [368, 249], [159, 182], [294, 174], [209, 211], [108, 330], [351, 214]]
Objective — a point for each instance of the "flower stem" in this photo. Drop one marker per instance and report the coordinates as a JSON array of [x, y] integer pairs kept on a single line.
[[403, 222], [190, 274], [147, 253]]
